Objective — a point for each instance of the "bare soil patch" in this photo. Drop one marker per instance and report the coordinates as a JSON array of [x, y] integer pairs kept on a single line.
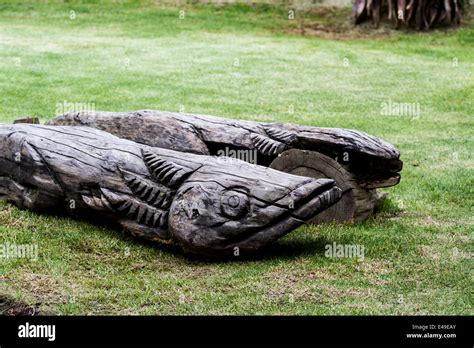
[[335, 23], [9, 307]]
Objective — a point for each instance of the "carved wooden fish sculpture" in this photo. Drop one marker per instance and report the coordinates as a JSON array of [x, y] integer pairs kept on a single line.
[[205, 204], [374, 162]]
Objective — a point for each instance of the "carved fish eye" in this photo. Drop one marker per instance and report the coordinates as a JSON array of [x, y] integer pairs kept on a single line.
[[234, 201], [234, 204]]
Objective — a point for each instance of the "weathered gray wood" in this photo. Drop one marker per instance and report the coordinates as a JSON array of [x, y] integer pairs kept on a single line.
[[372, 162], [356, 203], [207, 205]]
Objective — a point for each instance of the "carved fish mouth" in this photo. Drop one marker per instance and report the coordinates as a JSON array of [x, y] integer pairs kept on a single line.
[[309, 200], [324, 193]]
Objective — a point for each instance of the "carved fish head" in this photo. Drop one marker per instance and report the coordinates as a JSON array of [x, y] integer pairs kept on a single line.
[[228, 208], [215, 206]]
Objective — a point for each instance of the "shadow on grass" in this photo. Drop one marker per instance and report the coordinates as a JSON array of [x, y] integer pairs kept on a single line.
[[284, 250], [279, 250]]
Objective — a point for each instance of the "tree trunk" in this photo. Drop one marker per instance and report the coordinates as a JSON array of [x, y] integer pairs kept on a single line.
[[418, 14]]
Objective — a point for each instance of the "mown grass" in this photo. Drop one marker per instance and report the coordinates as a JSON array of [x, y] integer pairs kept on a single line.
[[238, 62]]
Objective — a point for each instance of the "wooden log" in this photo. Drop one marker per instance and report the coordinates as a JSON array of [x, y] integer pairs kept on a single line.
[[207, 205], [373, 162], [356, 203]]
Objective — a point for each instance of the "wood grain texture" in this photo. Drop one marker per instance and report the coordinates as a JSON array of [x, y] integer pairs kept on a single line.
[[207, 205], [356, 203], [373, 162]]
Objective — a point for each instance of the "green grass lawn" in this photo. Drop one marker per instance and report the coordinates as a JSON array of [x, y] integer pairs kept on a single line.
[[240, 62]]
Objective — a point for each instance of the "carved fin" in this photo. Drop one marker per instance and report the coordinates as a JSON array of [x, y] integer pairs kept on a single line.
[[266, 145], [136, 210], [97, 203], [152, 193], [164, 171], [280, 135]]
